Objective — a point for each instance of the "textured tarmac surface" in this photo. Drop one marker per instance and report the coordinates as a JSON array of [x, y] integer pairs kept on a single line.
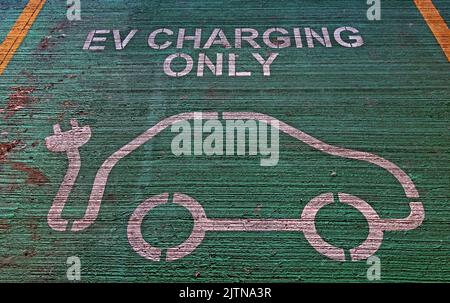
[[389, 96]]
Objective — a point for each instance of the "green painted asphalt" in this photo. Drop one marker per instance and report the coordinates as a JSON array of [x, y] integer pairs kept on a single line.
[[389, 97]]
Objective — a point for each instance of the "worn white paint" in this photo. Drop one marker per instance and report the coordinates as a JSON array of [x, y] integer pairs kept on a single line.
[[70, 141]]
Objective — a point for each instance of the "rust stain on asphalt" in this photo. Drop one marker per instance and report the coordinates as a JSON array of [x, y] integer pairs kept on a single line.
[[34, 176], [5, 148], [4, 225], [19, 99], [56, 33]]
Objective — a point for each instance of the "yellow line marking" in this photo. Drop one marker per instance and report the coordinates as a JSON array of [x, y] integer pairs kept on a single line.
[[18, 32], [436, 23]]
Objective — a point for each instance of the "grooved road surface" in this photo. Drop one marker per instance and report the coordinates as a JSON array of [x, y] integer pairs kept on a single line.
[[332, 79]]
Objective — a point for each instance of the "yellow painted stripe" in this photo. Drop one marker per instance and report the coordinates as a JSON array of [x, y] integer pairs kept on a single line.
[[18, 32], [436, 23]]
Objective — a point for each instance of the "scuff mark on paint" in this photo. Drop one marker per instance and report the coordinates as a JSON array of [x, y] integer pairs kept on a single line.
[[28, 75], [45, 43], [29, 253], [60, 27], [33, 227], [7, 262], [257, 209]]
